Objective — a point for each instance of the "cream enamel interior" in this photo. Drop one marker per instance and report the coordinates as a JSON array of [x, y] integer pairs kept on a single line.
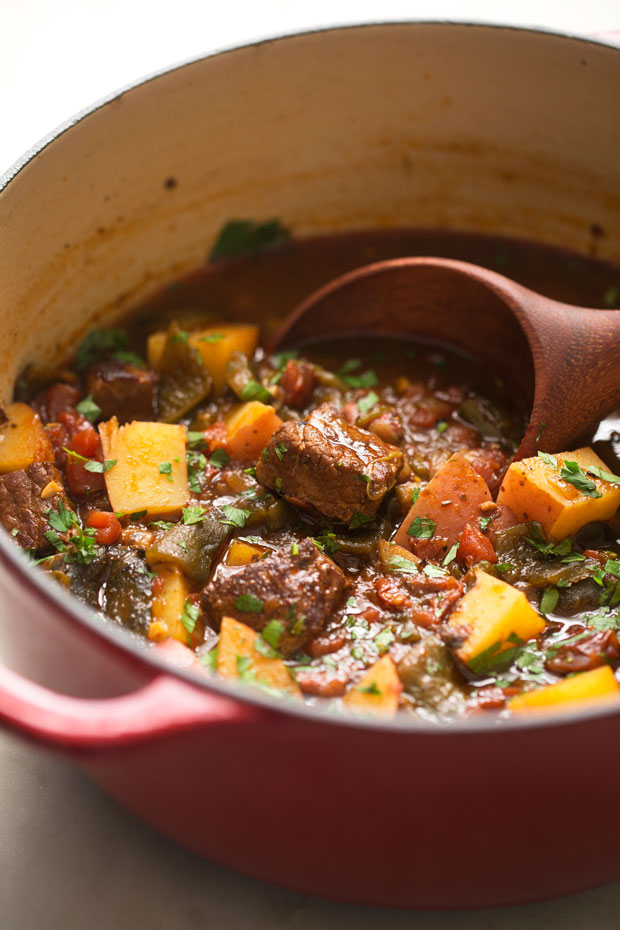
[[463, 127]]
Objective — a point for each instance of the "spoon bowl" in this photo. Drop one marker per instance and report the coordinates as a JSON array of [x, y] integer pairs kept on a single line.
[[564, 360]]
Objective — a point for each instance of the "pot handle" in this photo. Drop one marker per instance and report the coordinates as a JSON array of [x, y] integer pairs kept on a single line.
[[163, 706]]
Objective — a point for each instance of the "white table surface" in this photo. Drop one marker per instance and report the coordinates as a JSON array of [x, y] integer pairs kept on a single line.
[[71, 859]]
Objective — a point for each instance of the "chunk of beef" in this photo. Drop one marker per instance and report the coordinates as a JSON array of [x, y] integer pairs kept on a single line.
[[300, 591], [122, 390], [26, 497], [330, 464]]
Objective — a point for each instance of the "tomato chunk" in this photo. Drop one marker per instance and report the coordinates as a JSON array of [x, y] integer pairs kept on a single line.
[[107, 526]]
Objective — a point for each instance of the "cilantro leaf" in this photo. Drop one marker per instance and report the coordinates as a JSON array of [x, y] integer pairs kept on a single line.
[[359, 519], [549, 460], [400, 564], [97, 343], [88, 408], [248, 603], [422, 528], [573, 474], [273, 633], [165, 468], [193, 515], [235, 516], [219, 458], [189, 617], [246, 237], [255, 391], [366, 403], [549, 600], [601, 473]]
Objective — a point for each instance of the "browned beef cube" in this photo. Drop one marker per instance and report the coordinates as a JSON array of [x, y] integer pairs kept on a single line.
[[23, 511], [122, 390], [329, 464], [298, 591]]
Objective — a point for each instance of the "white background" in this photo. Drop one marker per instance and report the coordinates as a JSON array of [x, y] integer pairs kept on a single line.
[[69, 858]]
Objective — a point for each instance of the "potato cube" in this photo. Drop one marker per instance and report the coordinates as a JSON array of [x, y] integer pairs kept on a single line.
[[151, 469], [250, 426], [216, 344], [378, 691], [389, 551], [599, 684], [450, 501], [242, 553], [488, 614], [238, 657], [23, 439], [171, 589], [534, 490]]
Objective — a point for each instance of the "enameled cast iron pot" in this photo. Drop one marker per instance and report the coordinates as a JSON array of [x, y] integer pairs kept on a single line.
[[465, 127]]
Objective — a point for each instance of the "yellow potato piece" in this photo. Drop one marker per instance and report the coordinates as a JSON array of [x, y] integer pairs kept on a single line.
[[599, 684], [23, 439], [242, 553], [389, 550], [237, 657], [136, 483], [489, 613], [250, 426], [535, 491], [378, 691], [215, 343], [167, 606]]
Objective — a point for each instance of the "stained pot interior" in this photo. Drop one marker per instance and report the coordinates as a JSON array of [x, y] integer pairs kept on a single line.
[[438, 125]]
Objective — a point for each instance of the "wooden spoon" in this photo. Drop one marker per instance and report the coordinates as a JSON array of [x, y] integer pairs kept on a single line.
[[564, 360]]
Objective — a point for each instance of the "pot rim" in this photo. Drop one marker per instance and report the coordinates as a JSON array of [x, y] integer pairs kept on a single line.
[[74, 611]]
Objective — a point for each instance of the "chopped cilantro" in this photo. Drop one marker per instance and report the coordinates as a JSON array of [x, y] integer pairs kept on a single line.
[[212, 337], [88, 408], [573, 474], [549, 600], [294, 549], [189, 617], [193, 515], [272, 633], [196, 439], [422, 528], [483, 522], [165, 468], [601, 473], [255, 391], [219, 458], [278, 485], [235, 516], [247, 237], [549, 460], [442, 426], [280, 359], [97, 343], [366, 403], [280, 450], [249, 604], [373, 689], [543, 427], [399, 564], [451, 554], [434, 571], [209, 659], [130, 358], [359, 519], [415, 493], [383, 640], [367, 380], [136, 515]]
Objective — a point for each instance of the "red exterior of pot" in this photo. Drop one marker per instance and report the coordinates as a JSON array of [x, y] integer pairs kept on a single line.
[[444, 817]]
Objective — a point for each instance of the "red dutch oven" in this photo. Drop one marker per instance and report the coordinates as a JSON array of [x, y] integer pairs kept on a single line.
[[431, 125]]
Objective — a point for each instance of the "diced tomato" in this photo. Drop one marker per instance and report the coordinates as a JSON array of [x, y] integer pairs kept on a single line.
[[490, 465], [297, 382], [216, 435], [87, 444], [475, 547], [391, 594], [107, 526], [324, 645], [321, 682]]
